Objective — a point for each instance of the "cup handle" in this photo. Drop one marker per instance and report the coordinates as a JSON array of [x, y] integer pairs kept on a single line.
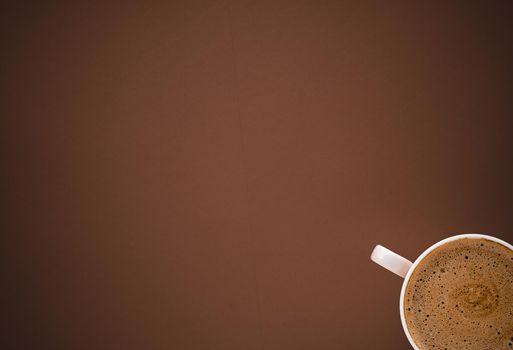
[[391, 261]]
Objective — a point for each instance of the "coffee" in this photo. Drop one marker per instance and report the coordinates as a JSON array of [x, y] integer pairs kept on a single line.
[[460, 296]]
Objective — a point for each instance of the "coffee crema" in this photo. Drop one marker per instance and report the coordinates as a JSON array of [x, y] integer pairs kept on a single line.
[[460, 296]]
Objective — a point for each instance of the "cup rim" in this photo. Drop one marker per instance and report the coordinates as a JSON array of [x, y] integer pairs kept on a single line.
[[422, 256]]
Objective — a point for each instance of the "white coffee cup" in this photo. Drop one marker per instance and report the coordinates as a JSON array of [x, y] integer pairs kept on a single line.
[[404, 268]]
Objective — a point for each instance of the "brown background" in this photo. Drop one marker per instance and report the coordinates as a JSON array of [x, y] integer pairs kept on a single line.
[[214, 175]]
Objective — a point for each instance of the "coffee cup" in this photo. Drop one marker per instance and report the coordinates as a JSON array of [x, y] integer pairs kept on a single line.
[[477, 294]]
